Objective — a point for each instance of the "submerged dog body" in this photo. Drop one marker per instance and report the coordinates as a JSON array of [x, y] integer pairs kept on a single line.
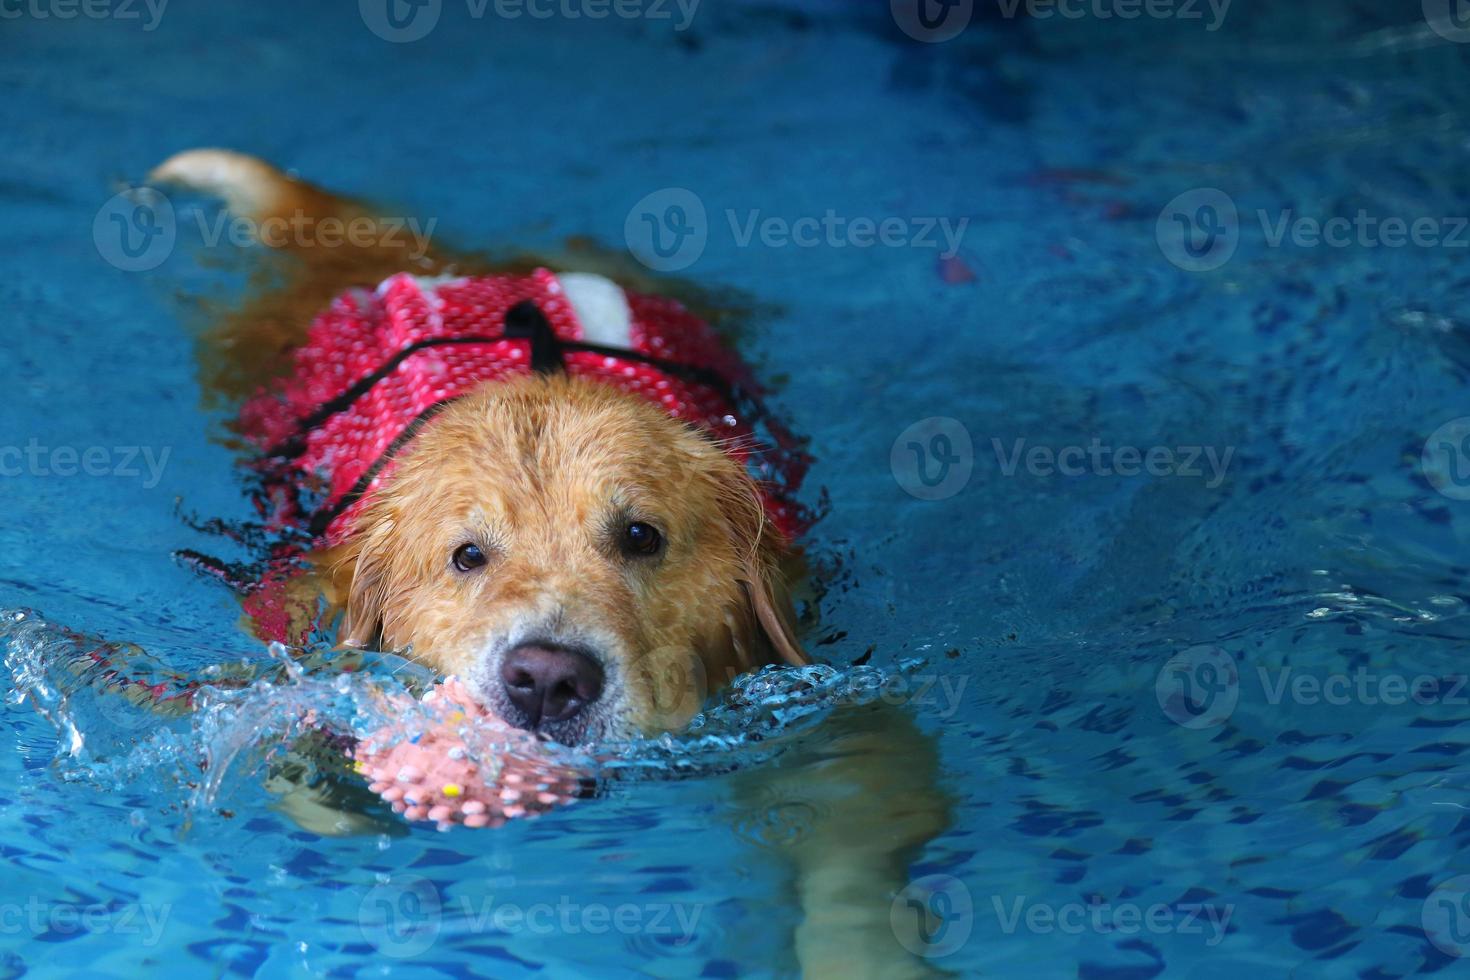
[[593, 565]]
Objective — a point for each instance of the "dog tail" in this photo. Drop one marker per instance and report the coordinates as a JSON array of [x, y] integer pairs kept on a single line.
[[334, 244], [249, 186], [288, 213]]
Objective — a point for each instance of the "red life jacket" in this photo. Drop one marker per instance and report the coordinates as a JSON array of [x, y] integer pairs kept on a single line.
[[378, 365]]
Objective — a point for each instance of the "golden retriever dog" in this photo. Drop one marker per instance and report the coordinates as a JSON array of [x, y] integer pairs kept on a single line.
[[592, 567], [581, 558]]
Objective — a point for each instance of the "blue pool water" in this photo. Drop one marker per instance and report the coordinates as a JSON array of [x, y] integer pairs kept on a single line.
[[1312, 582]]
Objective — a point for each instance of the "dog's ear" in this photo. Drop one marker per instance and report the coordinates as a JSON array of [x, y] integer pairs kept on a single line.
[[768, 623], [771, 601], [354, 579]]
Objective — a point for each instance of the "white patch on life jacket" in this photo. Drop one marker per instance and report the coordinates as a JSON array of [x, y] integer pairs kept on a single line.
[[428, 286], [360, 298], [601, 307]]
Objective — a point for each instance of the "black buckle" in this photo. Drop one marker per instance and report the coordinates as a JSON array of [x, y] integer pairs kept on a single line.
[[525, 321]]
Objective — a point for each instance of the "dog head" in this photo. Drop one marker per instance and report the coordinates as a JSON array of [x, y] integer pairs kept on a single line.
[[589, 565]]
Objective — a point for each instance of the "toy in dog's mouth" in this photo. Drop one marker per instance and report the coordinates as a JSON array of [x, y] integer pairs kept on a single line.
[[452, 762], [126, 717]]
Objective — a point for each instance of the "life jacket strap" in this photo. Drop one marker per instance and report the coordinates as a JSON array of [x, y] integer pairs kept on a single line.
[[525, 321]]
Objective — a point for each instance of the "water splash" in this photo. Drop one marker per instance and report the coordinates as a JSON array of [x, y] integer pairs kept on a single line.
[[124, 718], [762, 714]]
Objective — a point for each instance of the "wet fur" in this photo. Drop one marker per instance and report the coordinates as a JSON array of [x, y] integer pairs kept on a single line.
[[533, 471], [542, 473], [537, 468]]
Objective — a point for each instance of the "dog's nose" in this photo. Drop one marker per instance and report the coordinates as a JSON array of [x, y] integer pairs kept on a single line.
[[549, 684]]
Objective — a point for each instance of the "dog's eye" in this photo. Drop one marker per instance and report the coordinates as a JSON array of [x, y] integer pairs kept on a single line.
[[641, 540], [468, 557]]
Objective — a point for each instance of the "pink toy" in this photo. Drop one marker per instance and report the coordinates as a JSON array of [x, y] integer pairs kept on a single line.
[[428, 771]]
